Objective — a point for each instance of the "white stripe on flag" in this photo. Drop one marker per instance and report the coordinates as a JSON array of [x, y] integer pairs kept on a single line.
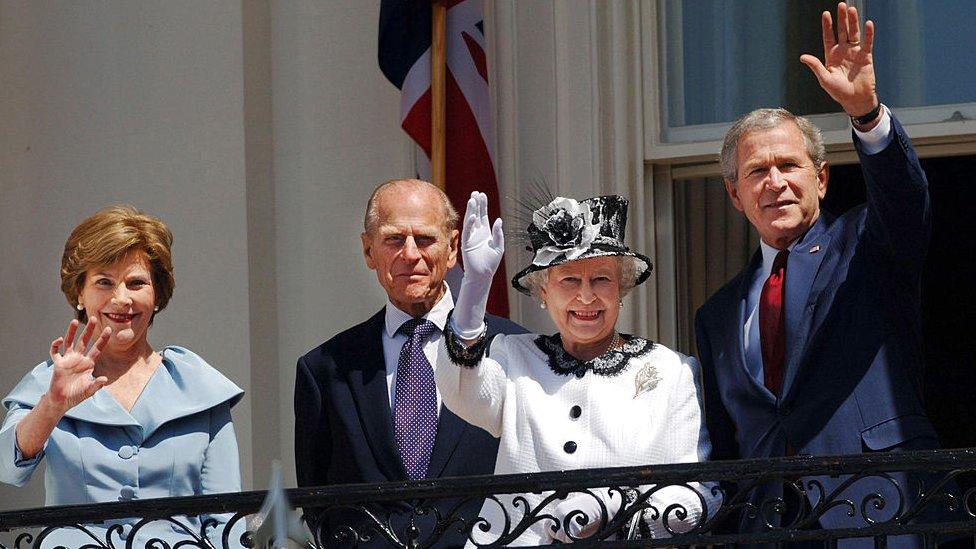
[[416, 83]]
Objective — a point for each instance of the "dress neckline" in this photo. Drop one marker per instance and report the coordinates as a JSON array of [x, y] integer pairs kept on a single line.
[[610, 363]]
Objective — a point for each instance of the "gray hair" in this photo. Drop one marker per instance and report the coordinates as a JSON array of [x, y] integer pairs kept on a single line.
[[372, 218], [767, 119], [628, 277]]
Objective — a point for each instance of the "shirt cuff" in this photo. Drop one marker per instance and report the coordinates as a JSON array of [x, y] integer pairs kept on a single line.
[[875, 140], [21, 461]]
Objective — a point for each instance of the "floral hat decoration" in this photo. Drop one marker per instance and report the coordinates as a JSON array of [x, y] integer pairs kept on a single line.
[[568, 230]]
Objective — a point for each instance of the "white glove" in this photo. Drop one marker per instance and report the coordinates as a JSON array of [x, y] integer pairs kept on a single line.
[[481, 248], [584, 506]]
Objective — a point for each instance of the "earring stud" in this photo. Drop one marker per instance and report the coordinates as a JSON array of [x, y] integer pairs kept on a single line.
[[156, 308], [80, 307], [542, 304]]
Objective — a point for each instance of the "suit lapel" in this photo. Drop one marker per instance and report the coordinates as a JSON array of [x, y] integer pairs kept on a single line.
[[734, 330], [366, 371], [801, 274], [450, 429]]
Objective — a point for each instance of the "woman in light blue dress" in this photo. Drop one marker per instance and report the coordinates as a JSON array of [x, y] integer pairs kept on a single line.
[[115, 419]]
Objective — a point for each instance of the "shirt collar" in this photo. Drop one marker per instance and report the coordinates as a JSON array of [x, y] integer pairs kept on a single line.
[[182, 385], [438, 314], [769, 255]]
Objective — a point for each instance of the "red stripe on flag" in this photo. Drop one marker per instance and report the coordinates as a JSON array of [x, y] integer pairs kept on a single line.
[[477, 55], [417, 122]]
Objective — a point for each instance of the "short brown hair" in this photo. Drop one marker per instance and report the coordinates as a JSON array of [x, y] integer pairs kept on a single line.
[[106, 238], [372, 217]]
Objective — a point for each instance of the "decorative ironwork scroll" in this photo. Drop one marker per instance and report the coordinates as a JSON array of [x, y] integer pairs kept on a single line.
[[715, 503]]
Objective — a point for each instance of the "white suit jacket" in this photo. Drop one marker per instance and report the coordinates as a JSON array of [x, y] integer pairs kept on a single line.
[[514, 395]]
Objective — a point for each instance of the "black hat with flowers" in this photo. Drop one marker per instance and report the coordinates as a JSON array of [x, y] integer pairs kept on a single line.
[[568, 230]]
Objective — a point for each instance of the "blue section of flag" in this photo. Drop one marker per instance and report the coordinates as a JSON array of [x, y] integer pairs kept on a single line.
[[405, 30]]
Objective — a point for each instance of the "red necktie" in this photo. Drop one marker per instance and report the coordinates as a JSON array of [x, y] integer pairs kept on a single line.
[[772, 330]]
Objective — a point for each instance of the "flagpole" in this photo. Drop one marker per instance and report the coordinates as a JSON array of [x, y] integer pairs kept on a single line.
[[438, 103]]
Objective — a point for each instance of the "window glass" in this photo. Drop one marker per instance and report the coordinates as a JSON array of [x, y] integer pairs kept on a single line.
[[723, 58], [924, 51]]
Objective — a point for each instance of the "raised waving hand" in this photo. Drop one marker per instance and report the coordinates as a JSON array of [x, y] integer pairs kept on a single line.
[[482, 247], [71, 383], [847, 70], [74, 361]]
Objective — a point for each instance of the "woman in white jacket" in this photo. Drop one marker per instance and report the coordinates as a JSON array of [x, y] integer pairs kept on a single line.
[[586, 397]]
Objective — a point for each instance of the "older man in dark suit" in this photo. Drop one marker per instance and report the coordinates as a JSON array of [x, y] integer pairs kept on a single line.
[[366, 405], [815, 347]]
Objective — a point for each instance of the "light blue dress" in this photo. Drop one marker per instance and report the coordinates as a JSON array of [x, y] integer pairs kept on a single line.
[[178, 440]]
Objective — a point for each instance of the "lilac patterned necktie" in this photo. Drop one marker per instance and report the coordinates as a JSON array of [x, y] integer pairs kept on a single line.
[[415, 408]]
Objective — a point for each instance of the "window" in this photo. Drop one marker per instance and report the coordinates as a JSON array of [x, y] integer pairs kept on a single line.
[[719, 59]]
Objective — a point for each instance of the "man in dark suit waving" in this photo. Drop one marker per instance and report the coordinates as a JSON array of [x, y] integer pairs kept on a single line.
[[815, 347], [366, 405]]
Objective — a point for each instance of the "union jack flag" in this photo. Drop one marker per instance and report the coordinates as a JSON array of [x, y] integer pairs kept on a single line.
[[404, 57]]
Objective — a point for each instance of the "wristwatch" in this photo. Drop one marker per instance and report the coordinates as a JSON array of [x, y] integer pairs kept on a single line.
[[867, 118]]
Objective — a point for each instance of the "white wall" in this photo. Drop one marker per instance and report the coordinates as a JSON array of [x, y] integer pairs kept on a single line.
[[123, 102]]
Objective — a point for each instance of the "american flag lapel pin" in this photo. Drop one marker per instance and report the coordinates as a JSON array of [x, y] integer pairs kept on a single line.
[[815, 249]]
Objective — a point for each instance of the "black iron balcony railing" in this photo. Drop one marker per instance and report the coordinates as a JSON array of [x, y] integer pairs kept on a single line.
[[823, 499]]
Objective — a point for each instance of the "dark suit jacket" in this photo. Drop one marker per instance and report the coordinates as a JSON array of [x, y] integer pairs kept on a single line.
[[344, 429], [854, 359]]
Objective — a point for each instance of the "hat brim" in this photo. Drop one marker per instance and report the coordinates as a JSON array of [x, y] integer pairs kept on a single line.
[[642, 265]]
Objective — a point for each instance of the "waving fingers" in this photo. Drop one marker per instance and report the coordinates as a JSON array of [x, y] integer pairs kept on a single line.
[[95, 385], [470, 217], [476, 213], [82, 344], [843, 30], [827, 25], [818, 68], [853, 26], [483, 207], [96, 348], [868, 45], [69, 336], [498, 236], [55, 350]]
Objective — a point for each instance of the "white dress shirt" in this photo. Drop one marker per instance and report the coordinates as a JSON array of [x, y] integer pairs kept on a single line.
[[393, 342], [872, 142]]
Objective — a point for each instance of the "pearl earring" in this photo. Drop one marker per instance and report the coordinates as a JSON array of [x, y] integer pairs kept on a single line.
[[620, 302], [80, 307], [542, 304], [156, 308]]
